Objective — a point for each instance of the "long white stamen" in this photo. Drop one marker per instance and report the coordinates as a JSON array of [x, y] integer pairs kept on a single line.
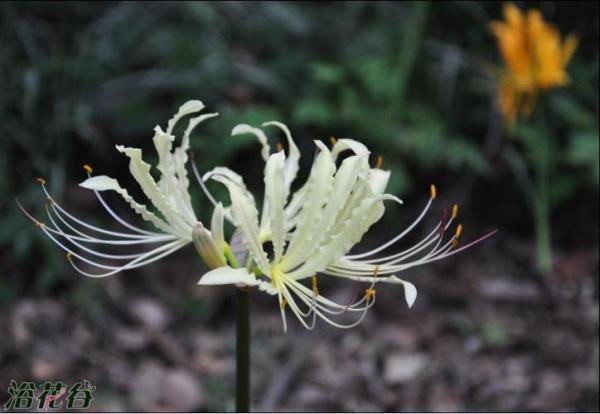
[[87, 225], [290, 300], [137, 262], [119, 219], [85, 248], [90, 239], [103, 266], [352, 325], [445, 251], [430, 238], [436, 234], [397, 238], [321, 301], [202, 185]]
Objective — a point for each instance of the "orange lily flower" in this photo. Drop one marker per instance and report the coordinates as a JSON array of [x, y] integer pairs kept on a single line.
[[535, 58]]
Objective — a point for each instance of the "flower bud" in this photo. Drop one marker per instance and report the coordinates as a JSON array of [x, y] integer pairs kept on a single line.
[[207, 248]]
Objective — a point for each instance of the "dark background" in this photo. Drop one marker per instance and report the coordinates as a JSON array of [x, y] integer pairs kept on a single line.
[[417, 83]]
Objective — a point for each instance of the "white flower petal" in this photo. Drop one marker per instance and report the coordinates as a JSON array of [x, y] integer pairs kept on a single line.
[[275, 197], [345, 144], [319, 186], [258, 133], [141, 172], [168, 183], [378, 179], [245, 217], [216, 226], [362, 217], [293, 158], [187, 108], [185, 142], [410, 292], [227, 276], [180, 156], [212, 255], [345, 180]]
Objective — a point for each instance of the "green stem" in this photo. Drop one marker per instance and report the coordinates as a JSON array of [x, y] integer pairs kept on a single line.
[[542, 233], [543, 237], [242, 351], [242, 342]]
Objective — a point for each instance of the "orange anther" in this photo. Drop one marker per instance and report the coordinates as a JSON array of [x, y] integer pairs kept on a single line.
[[455, 211], [379, 162], [433, 191], [370, 293], [41, 181], [458, 232], [88, 168]]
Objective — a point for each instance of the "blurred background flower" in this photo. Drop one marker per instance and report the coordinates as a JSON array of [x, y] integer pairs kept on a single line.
[[535, 58], [411, 80]]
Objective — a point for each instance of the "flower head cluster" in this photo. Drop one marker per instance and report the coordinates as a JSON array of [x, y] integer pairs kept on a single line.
[[298, 235], [171, 212], [313, 230], [535, 58]]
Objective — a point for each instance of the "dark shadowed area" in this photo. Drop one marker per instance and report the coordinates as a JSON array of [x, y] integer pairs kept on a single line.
[[418, 84]]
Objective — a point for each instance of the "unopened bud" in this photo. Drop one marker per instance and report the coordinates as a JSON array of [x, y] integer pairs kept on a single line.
[[207, 248]]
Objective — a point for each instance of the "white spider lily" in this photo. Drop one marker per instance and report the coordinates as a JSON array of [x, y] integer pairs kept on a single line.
[[314, 232], [177, 223]]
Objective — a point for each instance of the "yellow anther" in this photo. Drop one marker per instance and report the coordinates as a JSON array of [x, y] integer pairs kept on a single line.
[[376, 271], [279, 146], [333, 141], [433, 191], [379, 162], [88, 168], [68, 256], [455, 211], [282, 304], [369, 294], [458, 231], [41, 181], [315, 288]]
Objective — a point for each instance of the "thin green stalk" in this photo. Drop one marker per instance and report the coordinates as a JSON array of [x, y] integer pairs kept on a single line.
[[242, 351], [543, 237], [542, 231], [242, 344]]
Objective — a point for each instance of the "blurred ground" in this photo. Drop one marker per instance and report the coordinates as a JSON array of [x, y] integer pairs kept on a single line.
[[483, 335]]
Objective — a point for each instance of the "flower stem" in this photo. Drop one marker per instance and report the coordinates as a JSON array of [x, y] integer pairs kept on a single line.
[[545, 156], [242, 351]]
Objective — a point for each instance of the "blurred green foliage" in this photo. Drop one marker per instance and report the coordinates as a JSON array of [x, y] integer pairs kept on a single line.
[[414, 81]]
